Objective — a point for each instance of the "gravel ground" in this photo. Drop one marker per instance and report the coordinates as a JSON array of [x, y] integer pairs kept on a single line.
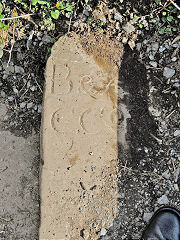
[[149, 173], [149, 178]]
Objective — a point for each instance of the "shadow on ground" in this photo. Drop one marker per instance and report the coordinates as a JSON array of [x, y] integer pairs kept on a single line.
[[132, 159]]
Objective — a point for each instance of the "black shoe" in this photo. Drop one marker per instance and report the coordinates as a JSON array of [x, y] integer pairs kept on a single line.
[[164, 225]]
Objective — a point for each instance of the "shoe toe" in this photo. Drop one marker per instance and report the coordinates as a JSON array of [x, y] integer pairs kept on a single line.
[[165, 225]]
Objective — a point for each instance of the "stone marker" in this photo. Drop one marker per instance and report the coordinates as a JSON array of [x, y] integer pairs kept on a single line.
[[79, 145]]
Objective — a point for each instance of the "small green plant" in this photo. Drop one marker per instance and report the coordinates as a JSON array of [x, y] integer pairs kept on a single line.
[[51, 11], [66, 8], [90, 19], [168, 18], [61, 7], [25, 5]]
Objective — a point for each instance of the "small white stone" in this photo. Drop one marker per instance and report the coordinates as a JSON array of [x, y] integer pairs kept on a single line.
[[124, 40], [168, 72], [151, 57], [129, 28], [176, 133], [46, 38], [176, 85], [28, 84], [118, 17], [148, 49], [145, 149], [147, 216], [10, 99], [131, 44], [29, 105], [153, 64], [174, 59], [138, 46], [155, 46], [145, 42], [103, 232], [39, 108], [33, 88], [19, 69], [117, 25], [22, 105], [161, 49], [163, 200], [166, 174], [15, 90], [176, 187]]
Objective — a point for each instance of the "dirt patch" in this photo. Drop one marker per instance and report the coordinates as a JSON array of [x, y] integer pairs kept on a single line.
[[19, 164], [106, 52]]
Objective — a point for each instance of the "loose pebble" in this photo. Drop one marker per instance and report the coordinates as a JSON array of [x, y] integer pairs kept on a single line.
[[168, 72], [155, 46], [39, 108], [129, 28], [19, 69], [124, 40], [163, 200], [117, 25], [174, 59], [10, 99], [153, 64], [15, 90], [138, 46], [118, 17], [161, 49], [151, 57], [176, 133], [103, 232], [46, 39], [22, 105], [29, 105], [147, 216], [166, 174]]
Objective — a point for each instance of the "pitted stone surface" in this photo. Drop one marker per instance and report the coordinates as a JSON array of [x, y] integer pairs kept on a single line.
[[79, 145]]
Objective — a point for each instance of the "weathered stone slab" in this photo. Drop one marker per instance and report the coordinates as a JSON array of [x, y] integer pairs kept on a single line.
[[79, 145]]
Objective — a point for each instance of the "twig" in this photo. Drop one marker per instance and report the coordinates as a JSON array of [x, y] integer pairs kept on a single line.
[[173, 139], [24, 93], [16, 17], [175, 52], [158, 79], [23, 87], [69, 24], [77, 3], [170, 113], [143, 173], [174, 168], [157, 139], [12, 45], [38, 86], [176, 39], [158, 10], [166, 90], [175, 4], [5, 219]]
